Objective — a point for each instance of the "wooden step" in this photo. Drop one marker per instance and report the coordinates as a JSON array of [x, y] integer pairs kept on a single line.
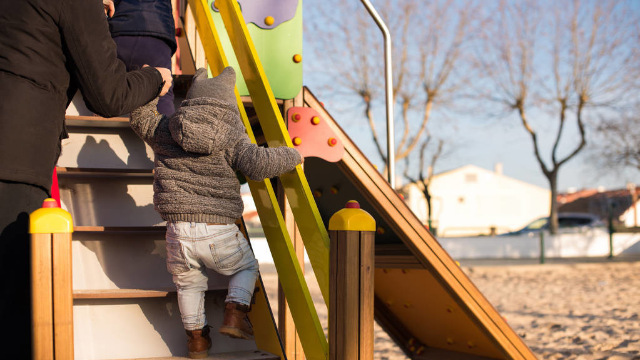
[[102, 172], [96, 121], [128, 293], [396, 256], [236, 355], [121, 229], [123, 122]]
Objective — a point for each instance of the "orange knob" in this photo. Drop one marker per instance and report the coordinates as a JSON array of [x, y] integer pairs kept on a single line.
[[317, 194], [334, 190], [269, 20], [332, 142], [296, 117], [297, 58], [380, 230], [315, 120], [297, 141]]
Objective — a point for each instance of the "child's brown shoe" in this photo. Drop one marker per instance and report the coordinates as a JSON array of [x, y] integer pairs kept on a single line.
[[236, 323], [199, 343]]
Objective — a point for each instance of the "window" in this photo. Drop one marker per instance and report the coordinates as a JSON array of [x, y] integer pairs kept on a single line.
[[471, 178]]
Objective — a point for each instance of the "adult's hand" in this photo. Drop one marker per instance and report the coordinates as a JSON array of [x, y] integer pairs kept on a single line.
[[109, 8], [167, 79]]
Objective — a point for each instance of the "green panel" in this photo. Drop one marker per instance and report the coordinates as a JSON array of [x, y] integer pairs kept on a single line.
[[276, 48]]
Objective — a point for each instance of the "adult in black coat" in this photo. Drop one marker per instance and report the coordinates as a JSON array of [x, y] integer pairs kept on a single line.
[[49, 49]]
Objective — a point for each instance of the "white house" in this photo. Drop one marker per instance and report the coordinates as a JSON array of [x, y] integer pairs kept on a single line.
[[470, 201]]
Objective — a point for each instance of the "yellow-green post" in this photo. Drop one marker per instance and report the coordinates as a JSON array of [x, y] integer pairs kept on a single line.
[[352, 234], [51, 282]]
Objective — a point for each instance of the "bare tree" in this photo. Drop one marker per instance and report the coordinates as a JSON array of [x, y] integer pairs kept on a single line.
[[429, 41], [617, 142], [562, 60], [425, 172]]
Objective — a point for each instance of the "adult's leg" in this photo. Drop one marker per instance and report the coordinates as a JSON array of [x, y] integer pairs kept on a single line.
[[136, 51], [18, 201]]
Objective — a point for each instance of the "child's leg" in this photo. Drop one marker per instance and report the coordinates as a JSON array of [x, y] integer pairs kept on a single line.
[[243, 282], [188, 272], [191, 286], [229, 253]]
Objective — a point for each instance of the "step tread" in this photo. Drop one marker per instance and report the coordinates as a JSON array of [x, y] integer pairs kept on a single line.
[[79, 171], [121, 229], [123, 122], [96, 121], [236, 355], [128, 293]]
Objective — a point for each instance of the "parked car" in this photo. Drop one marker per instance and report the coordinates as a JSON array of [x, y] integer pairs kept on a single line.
[[576, 221]]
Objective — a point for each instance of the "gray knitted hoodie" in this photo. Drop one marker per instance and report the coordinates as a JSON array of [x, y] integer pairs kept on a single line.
[[198, 149]]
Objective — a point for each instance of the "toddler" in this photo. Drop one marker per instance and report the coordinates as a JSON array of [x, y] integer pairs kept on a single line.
[[197, 151]]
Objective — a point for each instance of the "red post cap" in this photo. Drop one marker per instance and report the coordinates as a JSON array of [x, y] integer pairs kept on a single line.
[[352, 204], [49, 203]]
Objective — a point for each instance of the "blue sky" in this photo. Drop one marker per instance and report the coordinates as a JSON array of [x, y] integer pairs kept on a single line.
[[479, 139]]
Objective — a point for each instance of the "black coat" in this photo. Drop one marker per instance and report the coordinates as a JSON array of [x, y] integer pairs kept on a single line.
[[144, 18], [49, 49]]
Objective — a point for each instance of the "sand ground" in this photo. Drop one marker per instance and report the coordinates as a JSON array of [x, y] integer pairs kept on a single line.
[[562, 311]]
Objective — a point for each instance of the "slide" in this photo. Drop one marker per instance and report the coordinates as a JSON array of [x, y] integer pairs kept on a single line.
[[423, 298]]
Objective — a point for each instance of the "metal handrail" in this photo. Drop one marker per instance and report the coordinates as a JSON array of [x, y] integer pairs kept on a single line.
[[388, 81]]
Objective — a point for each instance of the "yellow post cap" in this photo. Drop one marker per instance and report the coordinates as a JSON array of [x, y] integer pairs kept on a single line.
[[352, 218], [50, 219]]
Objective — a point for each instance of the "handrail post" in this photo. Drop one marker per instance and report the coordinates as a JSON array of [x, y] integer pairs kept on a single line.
[[51, 282], [352, 234], [388, 86]]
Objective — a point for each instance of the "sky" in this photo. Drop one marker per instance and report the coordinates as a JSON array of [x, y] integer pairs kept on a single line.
[[479, 140]]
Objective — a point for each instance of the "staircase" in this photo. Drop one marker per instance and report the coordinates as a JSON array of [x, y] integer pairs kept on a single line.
[[125, 303]]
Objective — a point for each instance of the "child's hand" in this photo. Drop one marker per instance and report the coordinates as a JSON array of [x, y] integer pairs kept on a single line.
[[109, 8], [166, 77]]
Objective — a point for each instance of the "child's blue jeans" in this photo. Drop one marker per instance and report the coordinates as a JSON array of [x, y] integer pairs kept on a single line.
[[192, 247]]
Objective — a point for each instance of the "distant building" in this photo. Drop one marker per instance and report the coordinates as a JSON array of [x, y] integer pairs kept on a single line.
[[622, 204], [470, 201]]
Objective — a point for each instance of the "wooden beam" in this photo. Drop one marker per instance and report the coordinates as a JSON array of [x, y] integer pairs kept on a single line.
[[62, 297], [351, 306], [286, 326], [41, 297]]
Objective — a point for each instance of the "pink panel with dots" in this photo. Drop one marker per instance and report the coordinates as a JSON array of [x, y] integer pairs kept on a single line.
[[312, 136]]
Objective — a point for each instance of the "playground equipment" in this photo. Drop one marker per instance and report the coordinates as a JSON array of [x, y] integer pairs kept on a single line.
[[124, 302]]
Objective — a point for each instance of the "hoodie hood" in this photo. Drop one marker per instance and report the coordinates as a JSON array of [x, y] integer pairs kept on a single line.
[[206, 125]]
